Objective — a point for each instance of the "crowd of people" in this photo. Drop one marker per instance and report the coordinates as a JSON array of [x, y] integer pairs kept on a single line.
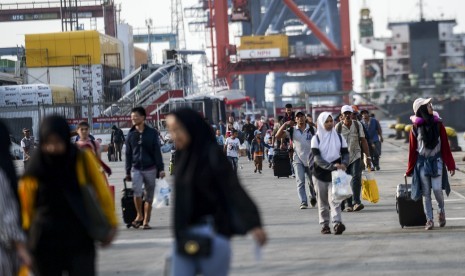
[[48, 227]]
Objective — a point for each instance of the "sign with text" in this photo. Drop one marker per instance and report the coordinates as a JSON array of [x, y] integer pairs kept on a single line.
[[113, 119]]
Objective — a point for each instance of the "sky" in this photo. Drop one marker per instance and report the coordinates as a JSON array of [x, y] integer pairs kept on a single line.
[[135, 12]]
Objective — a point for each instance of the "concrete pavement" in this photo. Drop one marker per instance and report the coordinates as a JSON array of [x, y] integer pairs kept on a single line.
[[373, 244]]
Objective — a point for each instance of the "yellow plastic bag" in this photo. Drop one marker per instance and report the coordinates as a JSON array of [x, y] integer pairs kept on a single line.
[[370, 188]]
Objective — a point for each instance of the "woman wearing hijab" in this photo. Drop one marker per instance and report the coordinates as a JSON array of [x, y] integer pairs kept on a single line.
[[53, 207], [330, 153], [12, 239], [211, 206], [429, 151]]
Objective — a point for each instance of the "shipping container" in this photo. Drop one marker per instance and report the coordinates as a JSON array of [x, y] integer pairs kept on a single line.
[[271, 46], [73, 48]]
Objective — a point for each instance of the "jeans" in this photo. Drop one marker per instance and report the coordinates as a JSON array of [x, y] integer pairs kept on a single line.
[[301, 171], [217, 264], [326, 204], [247, 146], [233, 161], [375, 153], [355, 170], [435, 183]]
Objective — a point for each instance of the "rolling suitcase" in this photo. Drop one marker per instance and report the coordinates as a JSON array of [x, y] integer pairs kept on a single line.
[[281, 163], [411, 213], [127, 205]]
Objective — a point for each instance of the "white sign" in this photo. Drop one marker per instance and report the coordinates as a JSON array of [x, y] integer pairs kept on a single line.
[[260, 53]]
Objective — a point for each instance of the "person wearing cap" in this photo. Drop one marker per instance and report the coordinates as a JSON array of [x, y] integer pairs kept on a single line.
[[248, 129], [376, 136], [263, 127], [231, 148], [352, 131], [27, 145], [301, 137], [429, 159], [257, 150]]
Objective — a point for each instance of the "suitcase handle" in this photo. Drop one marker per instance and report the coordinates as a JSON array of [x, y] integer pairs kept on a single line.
[[124, 182], [406, 187]]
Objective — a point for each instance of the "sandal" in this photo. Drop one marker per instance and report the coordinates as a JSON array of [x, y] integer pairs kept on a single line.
[[146, 227], [137, 223]]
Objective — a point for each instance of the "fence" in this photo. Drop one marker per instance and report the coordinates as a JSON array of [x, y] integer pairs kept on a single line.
[[30, 117]]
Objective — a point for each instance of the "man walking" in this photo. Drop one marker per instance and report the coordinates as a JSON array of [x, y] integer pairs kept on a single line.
[[117, 139], [301, 137], [144, 163], [376, 137], [27, 145], [248, 129], [352, 131], [231, 148]]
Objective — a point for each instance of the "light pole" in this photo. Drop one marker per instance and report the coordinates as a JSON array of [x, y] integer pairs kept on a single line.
[[149, 24]]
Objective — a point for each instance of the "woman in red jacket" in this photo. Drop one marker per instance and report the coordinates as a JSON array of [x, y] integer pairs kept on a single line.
[[429, 151]]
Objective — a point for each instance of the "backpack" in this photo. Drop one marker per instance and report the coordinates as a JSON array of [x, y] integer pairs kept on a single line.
[[291, 132], [339, 130], [118, 136], [338, 135]]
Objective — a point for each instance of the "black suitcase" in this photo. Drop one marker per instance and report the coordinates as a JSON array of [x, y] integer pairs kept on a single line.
[[411, 213], [127, 205], [281, 163]]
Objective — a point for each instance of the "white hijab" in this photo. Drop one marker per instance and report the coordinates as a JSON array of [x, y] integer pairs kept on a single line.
[[330, 145]]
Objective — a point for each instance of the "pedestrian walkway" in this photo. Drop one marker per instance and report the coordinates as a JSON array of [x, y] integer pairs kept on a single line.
[[373, 244]]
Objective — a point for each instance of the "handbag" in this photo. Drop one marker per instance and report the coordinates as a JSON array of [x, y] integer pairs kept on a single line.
[[98, 226], [194, 245], [370, 188]]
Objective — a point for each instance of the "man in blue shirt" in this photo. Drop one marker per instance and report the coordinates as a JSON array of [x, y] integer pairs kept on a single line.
[[376, 137]]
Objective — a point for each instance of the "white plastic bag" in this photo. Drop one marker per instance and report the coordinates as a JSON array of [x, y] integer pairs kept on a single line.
[[162, 194], [341, 185]]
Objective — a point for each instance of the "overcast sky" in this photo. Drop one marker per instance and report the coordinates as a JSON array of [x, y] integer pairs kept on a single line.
[[135, 12]]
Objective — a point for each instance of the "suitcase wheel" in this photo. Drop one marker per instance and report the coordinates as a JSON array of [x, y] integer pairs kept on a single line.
[[128, 226], [277, 177]]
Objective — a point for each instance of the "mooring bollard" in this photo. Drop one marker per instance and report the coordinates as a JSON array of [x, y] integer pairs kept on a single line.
[[399, 130], [453, 140]]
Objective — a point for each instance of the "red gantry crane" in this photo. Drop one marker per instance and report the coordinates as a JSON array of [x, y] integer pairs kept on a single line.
[[336, 58]]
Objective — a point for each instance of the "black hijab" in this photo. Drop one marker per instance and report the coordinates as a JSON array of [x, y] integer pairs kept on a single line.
[[6, 163], [429, 129], [188, 160], [54, 169]]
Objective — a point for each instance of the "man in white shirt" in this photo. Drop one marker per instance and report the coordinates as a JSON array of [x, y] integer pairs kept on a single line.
[[27, 144], [231, 148]]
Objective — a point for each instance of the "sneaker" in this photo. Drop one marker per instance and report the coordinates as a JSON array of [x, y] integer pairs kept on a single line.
[[303, 205], [313, 201], [429, 225], [442, 219], [325, 230], [259, 172], [378, 168], [269, 165], [349, 209], [339, 228], [358, 207], [255, 171]]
